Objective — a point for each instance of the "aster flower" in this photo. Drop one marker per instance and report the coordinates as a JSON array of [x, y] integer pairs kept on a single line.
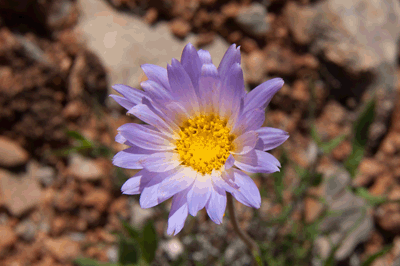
[[202, 130]]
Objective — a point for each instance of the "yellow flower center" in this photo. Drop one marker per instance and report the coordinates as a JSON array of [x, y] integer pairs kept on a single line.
[[205, 143]]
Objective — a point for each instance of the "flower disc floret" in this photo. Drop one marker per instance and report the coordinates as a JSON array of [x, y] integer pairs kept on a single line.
[[205, 143]]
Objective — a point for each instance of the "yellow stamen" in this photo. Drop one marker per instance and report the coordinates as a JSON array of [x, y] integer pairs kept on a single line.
[[205, 143]]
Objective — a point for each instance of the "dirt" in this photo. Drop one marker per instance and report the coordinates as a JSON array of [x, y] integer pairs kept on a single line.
[[51, 84]]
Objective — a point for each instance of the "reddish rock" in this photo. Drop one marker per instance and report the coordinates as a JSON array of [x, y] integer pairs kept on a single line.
[[205, 38], [85, 169], [312, 206], [8, 237], [180, 27], [98, 198], [11, 154], [151, 15], [19, 195], [254, 67], [342, 151], [63, 248]]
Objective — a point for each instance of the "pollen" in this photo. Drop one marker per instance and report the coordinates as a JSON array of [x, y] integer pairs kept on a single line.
[[205, 143]]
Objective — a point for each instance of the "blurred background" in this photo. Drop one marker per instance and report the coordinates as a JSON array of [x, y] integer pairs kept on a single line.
[[336, 199]]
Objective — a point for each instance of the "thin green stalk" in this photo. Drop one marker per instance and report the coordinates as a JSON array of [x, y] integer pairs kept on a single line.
[[251, 244]]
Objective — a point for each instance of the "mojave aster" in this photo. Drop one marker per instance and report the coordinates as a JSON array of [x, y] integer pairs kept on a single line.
[[202, 130]]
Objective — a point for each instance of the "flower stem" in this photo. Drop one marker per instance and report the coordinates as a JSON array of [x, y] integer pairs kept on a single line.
[[251, 244]]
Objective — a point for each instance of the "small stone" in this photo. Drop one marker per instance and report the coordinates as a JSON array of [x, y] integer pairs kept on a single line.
[[205, 38], [74, 109], [342, 151], [254, 67], [26, 230], [85, 169], [63, 248], [230, 10], [99, 198], [139, 216], [370, 166], [180, 28], [299, 22], [248, 45], [19, 195], [173, 247], [112, 254], [253, 19], [58, 224], [11, 153], [151, 15], [8, 237]]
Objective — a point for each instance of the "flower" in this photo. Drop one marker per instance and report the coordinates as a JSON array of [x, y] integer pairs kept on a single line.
[[203, 129]]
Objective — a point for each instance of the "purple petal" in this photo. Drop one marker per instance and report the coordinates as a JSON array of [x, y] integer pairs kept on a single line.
[[209, 86], [129, 158], [144, 113], [136, 183], [261, 95], [223, 182], [161, 161], [149, 195], [251, 120], [157, 74], [182, 88], [231, 56], [120, 139], [272, 137], [216, 205], [248, 192], [123, 102], [232, 89], [204, 56], [199, 194], [257, 161], [230, 161], [145, 137], [178, 213], [245, 142], [131, 94], [155, 90], [167, 124], [191, 63], [182, 179]]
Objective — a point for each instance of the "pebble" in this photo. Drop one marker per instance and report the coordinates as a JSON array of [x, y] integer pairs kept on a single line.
[[11, 153], [19, 195], [253, 20], [139, 216], [8, 237], [254, 67], [85, 169], [63, 248], [26, 230], [112, 254], [99, 198], [173, 247], [180, 28]]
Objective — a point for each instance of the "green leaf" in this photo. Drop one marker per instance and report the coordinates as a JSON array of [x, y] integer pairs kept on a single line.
[[314, 135], [86, 262], [372, 200], [361, 128], [149, 242], [84, 142], [133, 233], [129, 252], [378, 254], [278, 178], [331, 145]]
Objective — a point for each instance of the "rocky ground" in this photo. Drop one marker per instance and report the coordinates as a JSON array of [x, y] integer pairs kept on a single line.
[[59, 193]]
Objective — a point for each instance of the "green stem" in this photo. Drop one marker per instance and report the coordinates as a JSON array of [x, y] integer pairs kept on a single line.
[[251, 244]]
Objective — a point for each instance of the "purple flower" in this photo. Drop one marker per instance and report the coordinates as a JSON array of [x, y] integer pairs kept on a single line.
[[203, 129]]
